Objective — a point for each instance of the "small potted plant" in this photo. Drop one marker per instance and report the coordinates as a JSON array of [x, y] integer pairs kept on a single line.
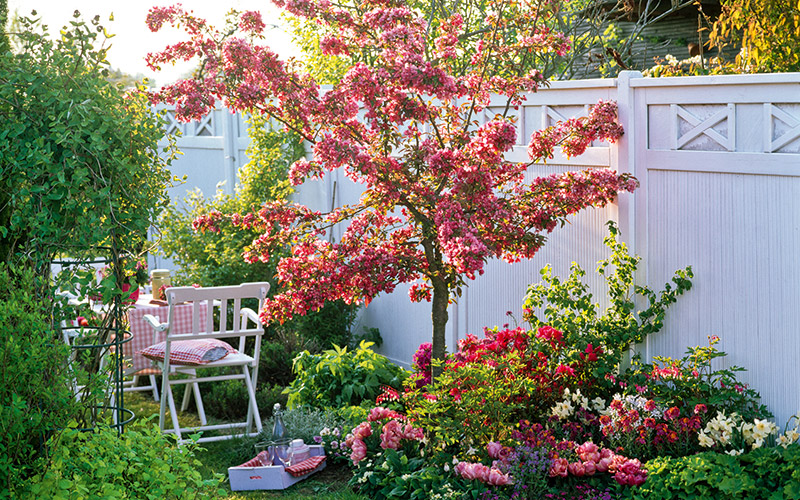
[[134, 277]]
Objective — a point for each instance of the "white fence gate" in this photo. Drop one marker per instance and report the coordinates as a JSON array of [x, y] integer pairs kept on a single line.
[[718, 159]]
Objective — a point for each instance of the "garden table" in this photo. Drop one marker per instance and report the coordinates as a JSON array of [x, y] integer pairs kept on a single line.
[[142, 332]]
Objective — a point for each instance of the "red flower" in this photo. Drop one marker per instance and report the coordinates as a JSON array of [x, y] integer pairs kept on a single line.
[[563, 369], [672, 413]]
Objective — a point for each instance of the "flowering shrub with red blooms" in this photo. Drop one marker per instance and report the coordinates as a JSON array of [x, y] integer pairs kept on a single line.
[[646, 429], [407, 122], [691, 381], [421, 365]]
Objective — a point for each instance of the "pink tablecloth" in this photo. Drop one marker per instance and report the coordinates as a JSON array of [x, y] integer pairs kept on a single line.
[[143, 332]]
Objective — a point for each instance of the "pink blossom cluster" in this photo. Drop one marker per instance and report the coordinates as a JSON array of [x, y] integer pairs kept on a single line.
[[381, 413], [592, 459], [421, 363], [576, 134], [355, 441], [483, 473], [394, 432]]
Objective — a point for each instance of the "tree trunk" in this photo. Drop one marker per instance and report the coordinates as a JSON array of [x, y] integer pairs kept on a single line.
[[441, 298]]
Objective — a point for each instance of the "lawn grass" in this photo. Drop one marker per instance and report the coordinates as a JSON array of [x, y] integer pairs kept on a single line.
[[216, 457]]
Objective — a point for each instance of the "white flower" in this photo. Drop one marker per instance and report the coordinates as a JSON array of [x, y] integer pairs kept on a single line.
[[734, 453], [405, 477], [455, 460], [705, 441], [336, 431], [447, 467], [758, 443], [324, 432], [563, 409], [598, 404]]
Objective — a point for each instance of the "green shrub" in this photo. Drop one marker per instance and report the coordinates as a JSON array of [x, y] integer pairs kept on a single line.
[[765, 473], [691, 380], [227, 399], [141, 464], [338, 377], [35, 395], [568, 306]]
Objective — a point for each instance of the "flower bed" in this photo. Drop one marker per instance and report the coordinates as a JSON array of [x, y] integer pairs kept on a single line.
[[545, 412]]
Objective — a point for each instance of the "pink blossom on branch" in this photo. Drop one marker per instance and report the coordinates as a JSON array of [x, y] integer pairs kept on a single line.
[[440, 198]]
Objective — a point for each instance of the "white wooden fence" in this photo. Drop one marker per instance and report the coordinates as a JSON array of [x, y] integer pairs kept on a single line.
[[718, 159]]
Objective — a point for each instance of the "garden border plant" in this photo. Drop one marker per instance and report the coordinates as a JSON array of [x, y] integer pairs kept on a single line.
[[80, 171]]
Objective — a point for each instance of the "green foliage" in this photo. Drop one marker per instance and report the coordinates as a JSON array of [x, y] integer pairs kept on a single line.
[[227, 399], [328, 326], [765, 473], [568, 306], [765, 32], [79, 162], [692, 381], [338, 377], [4, 43], [35, 396], [140, 464], [477, 402]]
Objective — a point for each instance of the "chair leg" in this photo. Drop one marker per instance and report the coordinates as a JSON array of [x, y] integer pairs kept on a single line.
[[198, 400], [155, 387], [252, 411], [165, 389], [173, 412], [186, 396]]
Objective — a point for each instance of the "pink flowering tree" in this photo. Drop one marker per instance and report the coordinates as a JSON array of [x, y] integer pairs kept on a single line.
[[439, 197]]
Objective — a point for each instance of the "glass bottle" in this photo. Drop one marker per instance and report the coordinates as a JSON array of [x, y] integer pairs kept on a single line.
[[278, 429]]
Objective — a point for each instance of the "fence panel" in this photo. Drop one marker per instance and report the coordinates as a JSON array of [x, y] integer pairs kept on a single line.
[[718, 159], [720, 172]]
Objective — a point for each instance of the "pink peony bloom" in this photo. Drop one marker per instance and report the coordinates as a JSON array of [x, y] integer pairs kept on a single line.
[[359, 451], [577, 469], [494, 448], [559, 467]]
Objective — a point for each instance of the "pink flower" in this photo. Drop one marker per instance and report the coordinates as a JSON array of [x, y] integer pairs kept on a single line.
[[494, 448], [603, 464], [559, 467], [700, 408], [497, 478], [358, 451], [577, 469]]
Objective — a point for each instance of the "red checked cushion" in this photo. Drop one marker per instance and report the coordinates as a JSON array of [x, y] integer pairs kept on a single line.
[[190, 352], [305, 466]]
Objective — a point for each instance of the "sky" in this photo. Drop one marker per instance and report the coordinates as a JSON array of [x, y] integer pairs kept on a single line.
[[133, 40]]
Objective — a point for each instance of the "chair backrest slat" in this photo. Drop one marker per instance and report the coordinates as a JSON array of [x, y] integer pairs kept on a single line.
[[217, 296]]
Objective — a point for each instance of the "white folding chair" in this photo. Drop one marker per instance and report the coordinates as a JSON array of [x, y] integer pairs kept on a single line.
[[210, 319]]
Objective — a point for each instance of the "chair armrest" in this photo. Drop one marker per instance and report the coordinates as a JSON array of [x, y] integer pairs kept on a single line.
[[251, 315], [153, 321]]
